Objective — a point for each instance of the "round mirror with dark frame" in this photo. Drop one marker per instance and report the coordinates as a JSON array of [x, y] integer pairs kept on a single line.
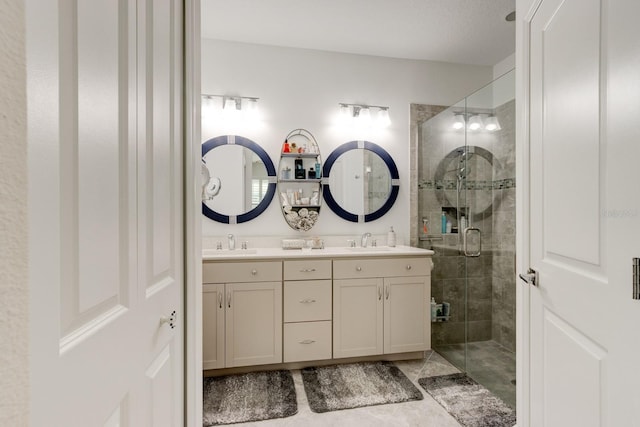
[[361, 181], [241, 179]]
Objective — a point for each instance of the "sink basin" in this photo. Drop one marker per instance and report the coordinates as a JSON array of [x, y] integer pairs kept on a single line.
[[226, 252], [370, 249]]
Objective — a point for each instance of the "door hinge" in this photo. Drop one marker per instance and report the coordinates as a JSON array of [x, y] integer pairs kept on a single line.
[[636, 278]]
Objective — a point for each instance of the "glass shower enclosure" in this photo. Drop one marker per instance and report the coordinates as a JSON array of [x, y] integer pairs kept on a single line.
[[466, 214]]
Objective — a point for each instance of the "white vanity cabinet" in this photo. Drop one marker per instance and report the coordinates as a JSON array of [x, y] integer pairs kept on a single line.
[[381, 306], [307, 310], [242, 313]]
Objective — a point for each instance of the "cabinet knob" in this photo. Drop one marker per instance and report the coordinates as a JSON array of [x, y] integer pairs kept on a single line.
[[307, 342], [358, 268], [254, 272], [409, 267]]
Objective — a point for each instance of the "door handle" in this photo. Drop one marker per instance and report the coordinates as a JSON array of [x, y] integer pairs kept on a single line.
[[170, 319], [229, 299], [466, 241], [379, 293], [531, 277], [220, 299], [386, 292]]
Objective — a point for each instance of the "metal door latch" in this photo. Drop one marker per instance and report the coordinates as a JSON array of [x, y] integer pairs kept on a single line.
[[636, 278], [531, 277]]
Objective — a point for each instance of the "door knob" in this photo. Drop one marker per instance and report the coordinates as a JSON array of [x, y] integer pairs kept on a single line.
[[171, 319], [531, 277]]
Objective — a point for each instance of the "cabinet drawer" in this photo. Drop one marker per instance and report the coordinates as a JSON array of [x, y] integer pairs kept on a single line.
[[307, 341], [381, 267], [230, 272], [307, 269], [307, 301]]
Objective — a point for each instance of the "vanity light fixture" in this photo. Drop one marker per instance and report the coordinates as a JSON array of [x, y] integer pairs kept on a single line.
[[235, 107], [362, 114], [474, 121]]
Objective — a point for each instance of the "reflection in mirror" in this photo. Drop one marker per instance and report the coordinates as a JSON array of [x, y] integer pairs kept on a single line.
[[363, 181], [240, 182], [360, 181]]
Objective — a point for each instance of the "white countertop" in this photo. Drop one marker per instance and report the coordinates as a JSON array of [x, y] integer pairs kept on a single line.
[[329, 252]]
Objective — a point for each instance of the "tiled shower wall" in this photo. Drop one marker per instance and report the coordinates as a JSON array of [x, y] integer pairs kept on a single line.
[[490, 313]]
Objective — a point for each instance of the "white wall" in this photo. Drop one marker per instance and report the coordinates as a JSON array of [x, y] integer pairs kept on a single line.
[[504, 66], [14, 308], [301, 88]]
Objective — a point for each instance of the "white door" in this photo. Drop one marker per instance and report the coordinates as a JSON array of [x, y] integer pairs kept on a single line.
[[105, 195], [584, 228]]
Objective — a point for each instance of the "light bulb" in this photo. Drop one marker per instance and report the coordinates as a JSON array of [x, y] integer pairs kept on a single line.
[[383, 117], [491, 124], [475, 122], [364, 118], [229, 104], [458, 122]]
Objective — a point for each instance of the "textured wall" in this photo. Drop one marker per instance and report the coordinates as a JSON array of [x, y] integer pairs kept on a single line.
[[13, 217]]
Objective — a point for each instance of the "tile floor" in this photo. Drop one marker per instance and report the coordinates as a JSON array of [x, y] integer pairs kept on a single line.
[[488, 363], [426, 412]]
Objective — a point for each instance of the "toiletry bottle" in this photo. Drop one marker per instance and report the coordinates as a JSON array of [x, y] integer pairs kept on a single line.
[[444, 223], [318, 170], [285, 147], [463, 224], [434, 309], [311, 174], [449, 226], [391, 238]]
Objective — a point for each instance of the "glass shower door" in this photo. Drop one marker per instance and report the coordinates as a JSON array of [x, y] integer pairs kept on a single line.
[[468, 180]]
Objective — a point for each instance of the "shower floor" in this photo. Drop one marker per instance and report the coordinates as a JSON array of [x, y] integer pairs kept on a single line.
[[488, 363]]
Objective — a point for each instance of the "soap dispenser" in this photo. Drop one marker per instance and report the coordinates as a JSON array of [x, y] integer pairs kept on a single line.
[[391, 238]]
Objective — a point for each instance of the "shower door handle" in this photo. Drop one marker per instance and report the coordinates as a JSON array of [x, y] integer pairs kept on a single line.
[[467, 232]]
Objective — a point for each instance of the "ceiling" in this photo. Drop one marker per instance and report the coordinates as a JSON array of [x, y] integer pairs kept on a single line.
[[460, 31]]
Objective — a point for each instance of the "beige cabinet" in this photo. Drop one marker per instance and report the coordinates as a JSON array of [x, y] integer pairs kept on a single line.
[[381, 306], [242, 316], [307, 310]]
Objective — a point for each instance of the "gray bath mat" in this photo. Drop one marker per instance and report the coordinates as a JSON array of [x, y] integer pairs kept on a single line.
[[248, 397], [468, 402], [331, 388]]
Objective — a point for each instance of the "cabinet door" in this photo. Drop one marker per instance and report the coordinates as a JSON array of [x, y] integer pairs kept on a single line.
[[407, 325], [253, 323], [212, 326], [357, 317]]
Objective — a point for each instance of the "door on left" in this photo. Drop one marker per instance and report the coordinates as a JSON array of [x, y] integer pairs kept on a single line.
[[105, 194]]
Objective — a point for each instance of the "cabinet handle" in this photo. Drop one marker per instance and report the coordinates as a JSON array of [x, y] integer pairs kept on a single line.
[[307, 342], [229, 299], [254, 272], [387, 292], [220, 299], [307, 270], [408, 266], [307, 301], [379, 293], [358, 268]]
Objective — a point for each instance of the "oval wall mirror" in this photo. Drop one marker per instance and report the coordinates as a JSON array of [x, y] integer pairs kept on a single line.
[[299, 180], [361, 181], [241, 179]]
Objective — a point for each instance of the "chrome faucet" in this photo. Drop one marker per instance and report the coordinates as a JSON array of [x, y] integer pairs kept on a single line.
[[232, 242], [365, 239]]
